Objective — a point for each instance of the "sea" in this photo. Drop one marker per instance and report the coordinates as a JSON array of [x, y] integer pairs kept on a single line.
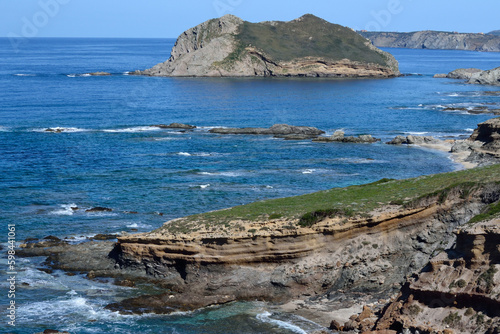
[[106, 152]]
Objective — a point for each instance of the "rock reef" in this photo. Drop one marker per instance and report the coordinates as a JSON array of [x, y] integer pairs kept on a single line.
[[276, 130], [305, 47]]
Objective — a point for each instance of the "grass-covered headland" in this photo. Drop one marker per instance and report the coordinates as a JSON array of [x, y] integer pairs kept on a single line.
[[359, 200]]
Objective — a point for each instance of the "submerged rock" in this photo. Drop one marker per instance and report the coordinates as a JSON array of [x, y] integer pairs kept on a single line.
[[175, 126], [99, 209]]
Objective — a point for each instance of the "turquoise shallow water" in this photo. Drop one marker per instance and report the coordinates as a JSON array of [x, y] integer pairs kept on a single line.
[[109, 155]]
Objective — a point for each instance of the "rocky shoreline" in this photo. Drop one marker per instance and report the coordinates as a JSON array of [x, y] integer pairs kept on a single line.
[[346, 270]]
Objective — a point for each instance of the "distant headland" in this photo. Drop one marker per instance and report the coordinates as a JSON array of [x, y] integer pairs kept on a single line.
[[304, 47], [440, 40]]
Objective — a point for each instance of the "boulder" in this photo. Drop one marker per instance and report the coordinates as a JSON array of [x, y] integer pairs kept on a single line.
[[414, 140], [99, 209], [99, 74], [440, 75]]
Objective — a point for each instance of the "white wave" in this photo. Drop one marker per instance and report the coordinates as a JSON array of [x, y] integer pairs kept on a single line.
[[228, 174], [199, 154], [138, 225], [469, 130], [269, 187], [204, 186], [86, 75], [308, 171], [71, 75], [39, 279], [4, 129], [65, 210], [266, 317], [454, 95], [416, 133], [60, 129], [25, 75], [126, 73], [134, 129]]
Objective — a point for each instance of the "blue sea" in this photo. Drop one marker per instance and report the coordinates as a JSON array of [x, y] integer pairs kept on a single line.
[[108, 154]]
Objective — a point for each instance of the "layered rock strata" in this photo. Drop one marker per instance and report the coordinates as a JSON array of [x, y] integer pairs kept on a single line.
[[458, 291]]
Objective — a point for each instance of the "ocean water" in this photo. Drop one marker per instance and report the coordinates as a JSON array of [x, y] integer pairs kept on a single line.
[[109, 155]]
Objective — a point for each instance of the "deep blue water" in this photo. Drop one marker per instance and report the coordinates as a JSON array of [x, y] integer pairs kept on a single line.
[[109, 155]]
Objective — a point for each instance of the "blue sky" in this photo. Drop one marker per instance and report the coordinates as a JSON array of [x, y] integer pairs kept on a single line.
[[166, 18]]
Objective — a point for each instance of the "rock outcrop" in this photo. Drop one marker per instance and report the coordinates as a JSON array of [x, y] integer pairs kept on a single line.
[[458, 291], [175, 126], [434, 40], [415, 140], [339, 136], [276, 130], [489, 77], [305, 47], [483, 144], [474, 76]]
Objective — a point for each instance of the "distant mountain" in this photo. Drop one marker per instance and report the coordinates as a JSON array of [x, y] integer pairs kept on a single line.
[[435, 40], [304, 47], [494, 32]]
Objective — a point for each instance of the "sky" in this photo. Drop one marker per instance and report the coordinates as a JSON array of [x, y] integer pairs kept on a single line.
[[168, 19]]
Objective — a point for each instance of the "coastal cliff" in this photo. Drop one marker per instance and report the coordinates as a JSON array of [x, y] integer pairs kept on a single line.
[[305, 47], [435, 40]]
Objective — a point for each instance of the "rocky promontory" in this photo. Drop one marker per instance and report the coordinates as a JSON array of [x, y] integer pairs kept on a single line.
[[435, 40], [304, 47]]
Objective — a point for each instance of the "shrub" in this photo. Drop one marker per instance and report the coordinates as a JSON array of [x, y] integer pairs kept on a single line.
[[452, 319], [275, 216]]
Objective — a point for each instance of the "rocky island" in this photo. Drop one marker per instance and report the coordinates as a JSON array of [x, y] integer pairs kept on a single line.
[[305, 47], [439, 40]]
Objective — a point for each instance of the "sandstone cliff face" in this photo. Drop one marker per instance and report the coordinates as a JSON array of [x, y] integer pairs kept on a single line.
[[458, 290], [362, 256], [229, 46], [435, 40]]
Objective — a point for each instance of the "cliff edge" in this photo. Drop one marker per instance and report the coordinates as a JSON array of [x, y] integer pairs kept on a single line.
[[304, 47]]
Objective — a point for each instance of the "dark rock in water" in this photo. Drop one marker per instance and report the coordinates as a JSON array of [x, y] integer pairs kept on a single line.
[[99, 73], [46, 270], [91, 275], [99, 209], [339, 136], [295, 137], [167, 303], [175, 126], [52, 331], [414, 140], [277, 130], [131, 212], [57, 130], [104, 237], [51, 237]]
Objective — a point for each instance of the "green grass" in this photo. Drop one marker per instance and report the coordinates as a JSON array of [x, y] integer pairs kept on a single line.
[[285, 41], [490, 211], [354, 200]]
